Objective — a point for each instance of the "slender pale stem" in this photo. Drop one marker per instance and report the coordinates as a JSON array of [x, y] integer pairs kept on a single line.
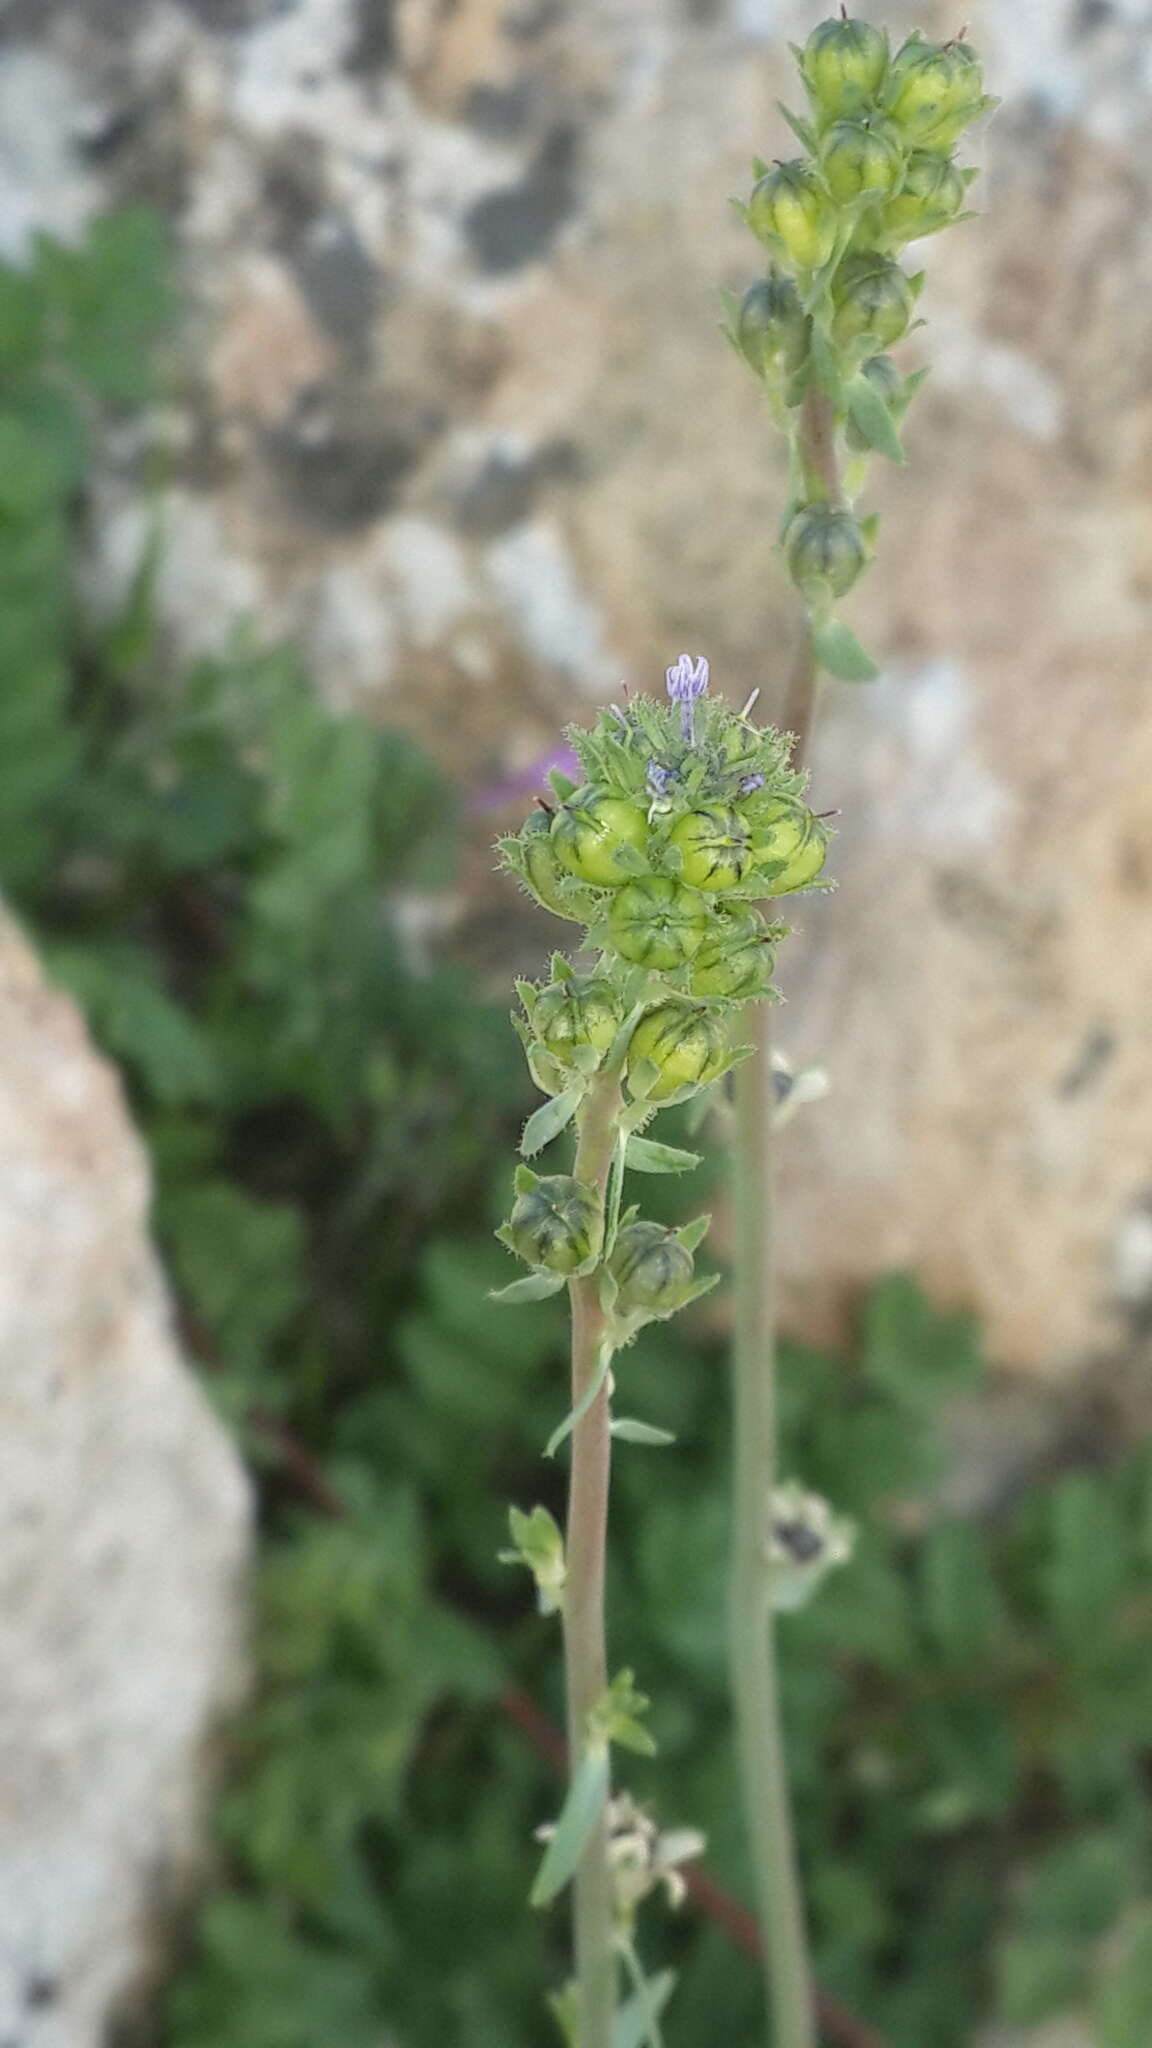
[[751, 1621], [768, 1816], [586, 1541]]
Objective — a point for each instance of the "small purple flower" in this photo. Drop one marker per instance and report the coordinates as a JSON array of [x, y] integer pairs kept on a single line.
[[750, 783], [687, 681], [659, 778], [494, 795]]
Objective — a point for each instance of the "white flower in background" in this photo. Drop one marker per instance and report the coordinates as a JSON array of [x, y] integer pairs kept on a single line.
[[806, 1540]]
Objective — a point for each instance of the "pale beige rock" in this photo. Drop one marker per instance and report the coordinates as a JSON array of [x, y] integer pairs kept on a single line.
[[457, 271], [123, 1536]]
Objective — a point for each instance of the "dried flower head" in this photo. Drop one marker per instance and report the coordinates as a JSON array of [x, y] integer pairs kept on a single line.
[[643, 1857], [806, 1540]]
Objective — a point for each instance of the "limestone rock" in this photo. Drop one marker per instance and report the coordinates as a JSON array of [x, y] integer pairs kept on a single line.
[[461, 420], [123, 1535]]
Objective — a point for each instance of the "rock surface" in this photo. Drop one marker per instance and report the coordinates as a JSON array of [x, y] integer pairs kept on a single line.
[[460, 419], [123, 1535]]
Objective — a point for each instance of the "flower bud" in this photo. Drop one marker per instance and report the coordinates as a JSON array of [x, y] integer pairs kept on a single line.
[[735, 962], [932, 195], [826, 550], [791, 833], [658, 923], [872, 297], [652, 1269], [844, 65], [716, 847], [686, 1043], [771, 326], [590, 831], [556, 1223], [858, 158], [582, 1011], [790, 207], [935, 90]]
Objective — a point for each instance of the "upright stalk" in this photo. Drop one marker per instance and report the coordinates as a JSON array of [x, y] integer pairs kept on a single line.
[[584, 1643], [751, 1621], [755, 1690]]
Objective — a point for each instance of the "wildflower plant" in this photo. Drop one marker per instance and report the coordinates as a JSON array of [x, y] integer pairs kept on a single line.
[[690, 823], [878, 172], [689, 819]]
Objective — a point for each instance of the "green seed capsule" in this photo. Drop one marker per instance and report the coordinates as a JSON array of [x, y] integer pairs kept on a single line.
[[686, 1043], [790, 207], [716, 847], [772, 328], [859, 158], [791, 833], [735, 962], [844, 65], [658, 923], [932, 195], [556, 1224], [826, 550], [583, 1011], [872, 297], [590, 831], [651, 1268], [532, 857], [934, 87]]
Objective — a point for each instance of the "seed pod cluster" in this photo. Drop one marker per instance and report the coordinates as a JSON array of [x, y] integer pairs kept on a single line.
[[688, 821], [879, 129]]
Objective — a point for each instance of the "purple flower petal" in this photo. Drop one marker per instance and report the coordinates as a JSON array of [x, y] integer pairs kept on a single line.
[[494, 796], [686, 682]]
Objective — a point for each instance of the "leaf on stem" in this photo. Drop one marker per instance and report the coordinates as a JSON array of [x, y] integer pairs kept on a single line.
[[839, 651], [579, 1815], [871, 417], [534, 1287], [634, 2022], [549, 1120], [630, 1431], [578, 1413], [644, 1155]]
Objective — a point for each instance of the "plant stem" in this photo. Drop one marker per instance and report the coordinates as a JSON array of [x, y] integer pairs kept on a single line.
[[585, 1652], [816, 447], [751, 1620], [752, 1623]]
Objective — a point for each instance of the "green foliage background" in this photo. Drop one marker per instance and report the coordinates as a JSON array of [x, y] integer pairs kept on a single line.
[[216, 866]]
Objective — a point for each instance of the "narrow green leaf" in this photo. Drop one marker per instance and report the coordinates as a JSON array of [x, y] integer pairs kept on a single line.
[[644, 1155], [692, 1235], [838, 650], [632, 2026], [871, 417], [630, 1431], [802, 130], [534, 1287], [581, 1811], [642, 1078], [578, 1413], [549, 1120], [825, 363]]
